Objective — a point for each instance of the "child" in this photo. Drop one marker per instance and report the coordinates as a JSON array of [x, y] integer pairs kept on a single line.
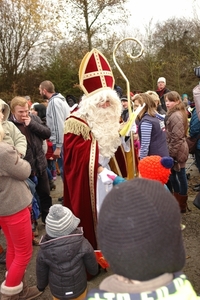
[[140, 237], [64, 256], [50, 160], [51, 165], [152, 167], [156, 167]]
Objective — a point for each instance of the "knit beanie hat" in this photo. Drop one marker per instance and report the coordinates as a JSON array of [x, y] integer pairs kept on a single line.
[[162, 79], [184, 96], [156, 167], [123, 98], [60, 221], [139, 230]]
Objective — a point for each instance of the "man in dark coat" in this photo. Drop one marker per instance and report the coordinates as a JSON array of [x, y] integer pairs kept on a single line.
[[161, 91], [35, 132]]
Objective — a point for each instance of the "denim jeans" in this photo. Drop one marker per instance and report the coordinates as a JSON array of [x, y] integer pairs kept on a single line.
[[60, 161], [18, 233], [179, 181], [51, 165], [50, 177]]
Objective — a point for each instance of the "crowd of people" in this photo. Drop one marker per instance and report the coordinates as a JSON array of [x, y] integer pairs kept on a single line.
[[141, 240]]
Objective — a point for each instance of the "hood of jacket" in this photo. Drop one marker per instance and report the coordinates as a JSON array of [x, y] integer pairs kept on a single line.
[[58, 95], [6, 109], [71, 243]]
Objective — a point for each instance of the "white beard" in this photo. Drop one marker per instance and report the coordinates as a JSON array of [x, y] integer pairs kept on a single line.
[[105, 128], [104, 122]]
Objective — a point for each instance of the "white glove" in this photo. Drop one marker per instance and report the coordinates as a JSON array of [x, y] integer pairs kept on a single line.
[[104, 176]]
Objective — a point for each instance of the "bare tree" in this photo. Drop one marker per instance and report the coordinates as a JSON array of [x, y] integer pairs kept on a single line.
[[92, 17], [177, 46], [22, 28]]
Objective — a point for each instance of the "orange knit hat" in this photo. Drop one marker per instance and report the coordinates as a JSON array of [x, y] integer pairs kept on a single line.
[[156, 167]]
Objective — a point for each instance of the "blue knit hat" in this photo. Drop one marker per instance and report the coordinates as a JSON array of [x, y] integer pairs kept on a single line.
[[184, 96]]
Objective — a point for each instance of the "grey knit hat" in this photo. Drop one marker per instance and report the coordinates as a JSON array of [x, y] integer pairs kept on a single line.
[[60, 221], [139, 230]]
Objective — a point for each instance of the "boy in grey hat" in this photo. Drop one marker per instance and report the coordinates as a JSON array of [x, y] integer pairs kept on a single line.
[[64, 256], [139, 235]]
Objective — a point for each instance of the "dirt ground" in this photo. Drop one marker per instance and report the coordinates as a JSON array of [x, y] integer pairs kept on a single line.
[[191, 236]]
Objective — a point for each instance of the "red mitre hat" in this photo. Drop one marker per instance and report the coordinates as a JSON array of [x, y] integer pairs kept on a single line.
[[95, 73]]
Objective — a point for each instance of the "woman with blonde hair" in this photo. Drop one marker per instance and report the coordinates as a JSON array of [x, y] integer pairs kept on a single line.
[[176, 125], [152, 137], [156, 99], [137, 101], [160, 112], [15, 198]]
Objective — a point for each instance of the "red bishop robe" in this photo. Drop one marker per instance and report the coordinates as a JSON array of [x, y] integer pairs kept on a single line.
[[80, 152]]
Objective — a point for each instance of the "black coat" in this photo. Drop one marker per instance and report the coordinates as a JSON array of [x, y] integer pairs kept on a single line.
[[36, 132], [161, 94], [62, 263]]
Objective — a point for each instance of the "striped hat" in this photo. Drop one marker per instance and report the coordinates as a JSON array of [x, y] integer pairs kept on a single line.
[[60, 221]]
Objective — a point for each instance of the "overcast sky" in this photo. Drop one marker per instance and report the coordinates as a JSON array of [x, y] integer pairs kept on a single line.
[[144, 10]]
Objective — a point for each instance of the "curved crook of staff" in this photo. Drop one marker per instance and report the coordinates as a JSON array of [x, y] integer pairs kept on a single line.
[[128, 85], [120, 70]]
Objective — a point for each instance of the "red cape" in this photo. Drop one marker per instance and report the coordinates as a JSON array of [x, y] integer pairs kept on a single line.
[[80, 175]]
